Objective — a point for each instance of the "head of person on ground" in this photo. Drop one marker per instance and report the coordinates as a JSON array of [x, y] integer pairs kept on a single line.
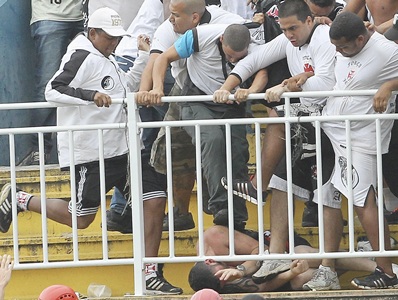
[[235, 42], [202, 275], [186, 14], [58, 292], [348, 42], [296, 21], [236, 276], [105, 30], [206, 294], [392, 33]]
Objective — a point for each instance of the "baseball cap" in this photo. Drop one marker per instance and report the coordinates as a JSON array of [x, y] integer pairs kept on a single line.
[[392, 33], [206, 294], [108, 20]]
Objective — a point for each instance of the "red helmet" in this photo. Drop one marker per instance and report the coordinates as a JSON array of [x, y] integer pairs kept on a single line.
[[58, 292]]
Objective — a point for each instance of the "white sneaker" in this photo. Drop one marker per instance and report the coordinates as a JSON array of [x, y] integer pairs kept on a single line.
[[270, 268], [323, 279]]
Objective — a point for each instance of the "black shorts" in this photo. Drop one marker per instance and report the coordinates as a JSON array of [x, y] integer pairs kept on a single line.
[[298, 240], [88, 192], [303, 148]]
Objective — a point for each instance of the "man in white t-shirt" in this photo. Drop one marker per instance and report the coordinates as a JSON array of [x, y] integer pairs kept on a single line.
[[208, 49], [309, 55], [357, 69], [184, 15]]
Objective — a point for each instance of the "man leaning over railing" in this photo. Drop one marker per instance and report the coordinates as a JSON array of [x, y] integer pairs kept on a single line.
[[310, 55]]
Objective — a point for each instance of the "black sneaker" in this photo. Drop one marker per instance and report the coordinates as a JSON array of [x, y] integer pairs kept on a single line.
[[221, 218], [181, 222], [119, 222], [6, 208], [244, 189], [377, 280], [160, 286]]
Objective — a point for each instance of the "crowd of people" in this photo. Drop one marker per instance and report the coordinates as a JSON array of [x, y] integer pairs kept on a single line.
[[187, 47]]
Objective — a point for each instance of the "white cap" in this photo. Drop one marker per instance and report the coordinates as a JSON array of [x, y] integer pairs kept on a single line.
[[108, 20]]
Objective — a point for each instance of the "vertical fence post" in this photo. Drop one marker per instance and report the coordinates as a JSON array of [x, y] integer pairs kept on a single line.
[[134, 144]]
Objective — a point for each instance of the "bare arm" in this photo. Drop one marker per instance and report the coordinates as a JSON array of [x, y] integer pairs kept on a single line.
[[146, 77], [355, 6], [383, 95], [159, 73], [246, 284], [6, 267], [259, 83], [292, 84], [383, 27], [221, 95], [146, 80]]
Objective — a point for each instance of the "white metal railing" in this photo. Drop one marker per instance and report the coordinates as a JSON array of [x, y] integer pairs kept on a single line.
[[134, 126]]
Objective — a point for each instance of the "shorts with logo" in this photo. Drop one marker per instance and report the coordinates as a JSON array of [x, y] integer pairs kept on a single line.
[[88, 194], [303, 143], [182, 149], [364, 177]]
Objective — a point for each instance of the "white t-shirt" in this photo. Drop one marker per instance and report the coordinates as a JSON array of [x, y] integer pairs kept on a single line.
[[204, 61], [165, 37], [369, 69], [147, 20], [66, 11], [317, 56]]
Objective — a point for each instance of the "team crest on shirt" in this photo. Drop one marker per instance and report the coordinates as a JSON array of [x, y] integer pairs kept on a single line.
[[344, 176], [273, 12], [257, 34], [307, 63], [107, 83], [353, 68]]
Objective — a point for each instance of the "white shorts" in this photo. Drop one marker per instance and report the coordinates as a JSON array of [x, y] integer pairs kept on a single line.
[[364, 177]]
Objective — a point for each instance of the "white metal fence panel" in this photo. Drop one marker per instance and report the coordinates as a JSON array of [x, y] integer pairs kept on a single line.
[[134, 126]]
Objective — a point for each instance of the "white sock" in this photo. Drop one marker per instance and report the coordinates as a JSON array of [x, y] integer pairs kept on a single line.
[[23, 199], [150, 270]]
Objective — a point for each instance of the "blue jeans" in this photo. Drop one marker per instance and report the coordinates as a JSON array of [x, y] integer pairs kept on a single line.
[[51, 39], [149, 135]]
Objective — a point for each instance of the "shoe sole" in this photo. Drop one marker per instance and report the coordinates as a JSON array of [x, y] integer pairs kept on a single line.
[[308, 288], [363, 287], [154, 293], [270, 275], [241, 195], [5, 191]]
